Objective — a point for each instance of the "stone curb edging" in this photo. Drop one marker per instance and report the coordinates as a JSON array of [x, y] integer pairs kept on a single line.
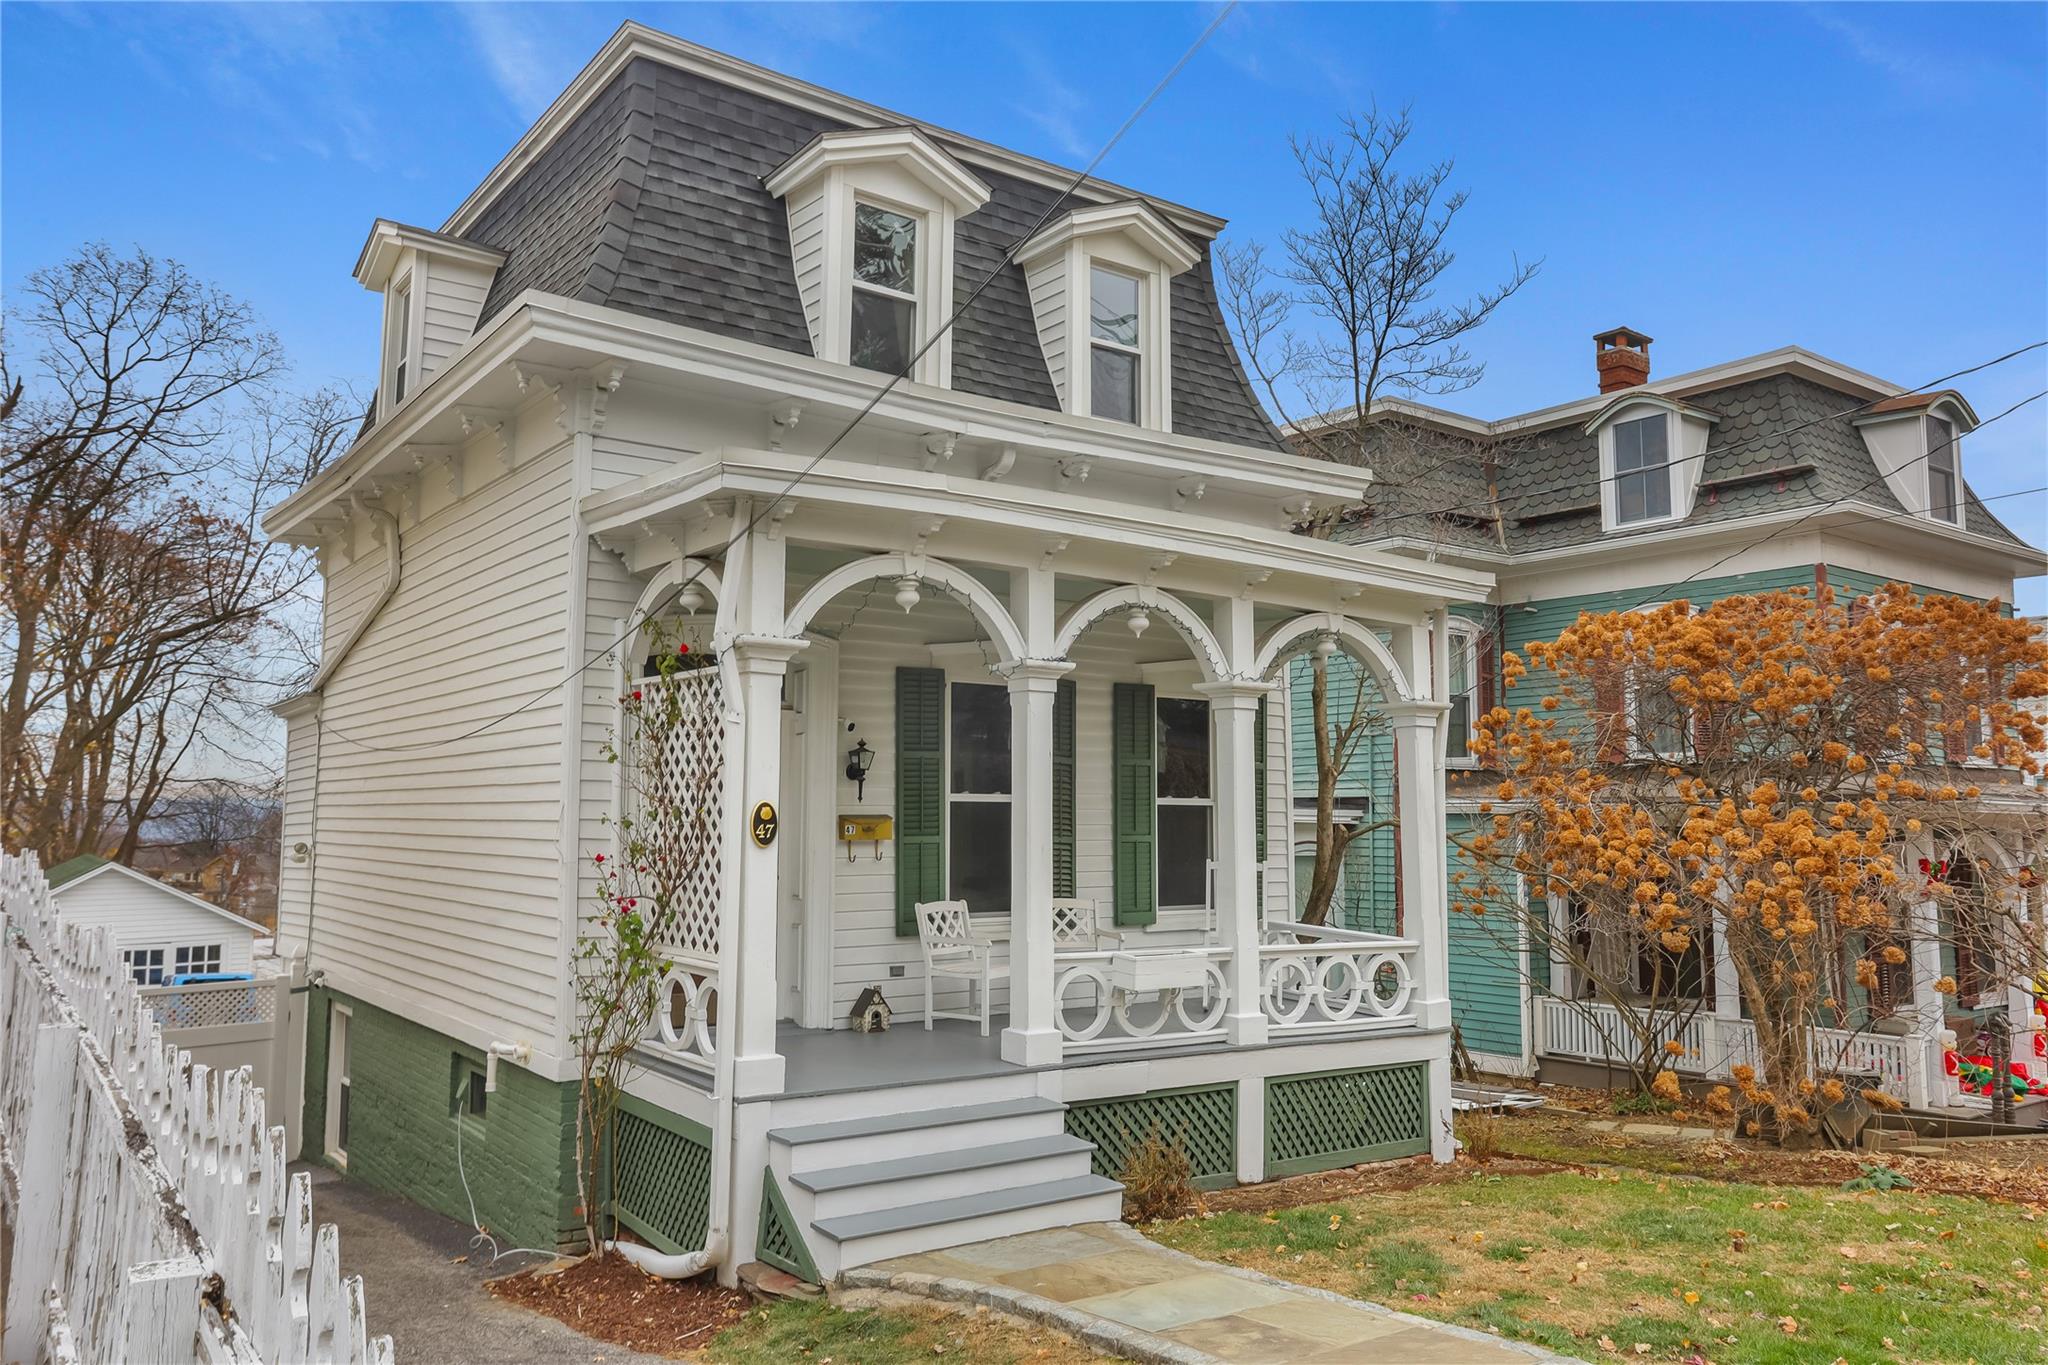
[[1124, 1232], [1113, 1337]]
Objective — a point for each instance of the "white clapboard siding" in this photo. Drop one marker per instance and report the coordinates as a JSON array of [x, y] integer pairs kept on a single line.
[[295, 872], [1047, 282], [141, 912], [452, 301], [437, 867], [807, 251]]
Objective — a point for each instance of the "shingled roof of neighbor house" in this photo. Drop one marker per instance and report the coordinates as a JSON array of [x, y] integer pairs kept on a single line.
[[1780, 441], [651, 200]]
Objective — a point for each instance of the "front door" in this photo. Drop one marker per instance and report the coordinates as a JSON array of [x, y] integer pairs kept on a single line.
[[789, 856]]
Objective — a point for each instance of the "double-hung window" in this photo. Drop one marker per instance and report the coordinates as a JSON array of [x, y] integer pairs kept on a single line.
[[1464, 688], [1186, 802], [884, 313], [1944, 495], [978, 796], [1116, 345], [1642, 469]]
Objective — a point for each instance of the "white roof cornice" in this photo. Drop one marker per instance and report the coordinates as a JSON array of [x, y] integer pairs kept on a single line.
[[389, 240], [910, 148], [637, 40], [1133, 217], [687, 354]]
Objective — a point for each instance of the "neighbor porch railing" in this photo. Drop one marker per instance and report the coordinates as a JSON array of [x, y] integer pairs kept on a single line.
[[1596, 1031]]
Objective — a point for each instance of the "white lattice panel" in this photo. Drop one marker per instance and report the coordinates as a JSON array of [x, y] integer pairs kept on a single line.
[[679, 792]]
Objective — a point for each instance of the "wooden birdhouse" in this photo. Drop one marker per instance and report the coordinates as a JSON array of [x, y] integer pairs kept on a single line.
[[871, 1011]]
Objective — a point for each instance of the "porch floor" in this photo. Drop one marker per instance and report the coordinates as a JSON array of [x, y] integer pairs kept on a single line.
[[824, 1061]]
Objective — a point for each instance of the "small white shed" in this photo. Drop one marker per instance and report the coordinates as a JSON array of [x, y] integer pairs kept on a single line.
[[162, 932]]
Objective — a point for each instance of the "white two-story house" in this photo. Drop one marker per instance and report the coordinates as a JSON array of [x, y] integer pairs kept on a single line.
[[999, 664]]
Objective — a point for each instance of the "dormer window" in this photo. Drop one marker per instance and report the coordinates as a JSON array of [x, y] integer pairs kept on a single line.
[[1117, 262], [1116, 347], [1651, 451], [884, 312], [871, 225], [401, 342], [1642, 469], [1944, 502]]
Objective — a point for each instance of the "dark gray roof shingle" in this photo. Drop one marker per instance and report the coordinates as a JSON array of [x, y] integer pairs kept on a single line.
[[652, 201]]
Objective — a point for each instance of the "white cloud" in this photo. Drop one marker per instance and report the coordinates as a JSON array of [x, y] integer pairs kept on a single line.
[[1056, 108], [515, 50]]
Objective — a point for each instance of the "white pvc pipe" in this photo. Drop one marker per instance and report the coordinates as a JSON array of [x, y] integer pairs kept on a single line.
[[678, 1267]]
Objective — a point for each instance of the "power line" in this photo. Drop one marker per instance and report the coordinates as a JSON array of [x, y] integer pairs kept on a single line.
[[762, 513], [1745, 442]]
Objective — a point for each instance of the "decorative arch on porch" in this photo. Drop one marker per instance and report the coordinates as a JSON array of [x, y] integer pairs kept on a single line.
[[956, 582], [1290, 638], [1201, 640], [668, 578]]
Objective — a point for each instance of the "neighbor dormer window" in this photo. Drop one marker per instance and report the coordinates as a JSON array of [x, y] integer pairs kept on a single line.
[[884, 312], [1642, 469], [1115, 340], [1943, 500]]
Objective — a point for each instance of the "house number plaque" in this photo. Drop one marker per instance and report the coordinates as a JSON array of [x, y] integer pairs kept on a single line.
[[764, 823]]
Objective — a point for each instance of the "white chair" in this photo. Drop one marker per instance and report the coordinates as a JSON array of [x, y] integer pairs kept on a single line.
[[1077, 928], [952, 950]]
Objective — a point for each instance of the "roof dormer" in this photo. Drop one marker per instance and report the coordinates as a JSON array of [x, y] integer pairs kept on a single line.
[[1916, 441], [434, 288], [871, 215], [1101, 285], [1651, 451]]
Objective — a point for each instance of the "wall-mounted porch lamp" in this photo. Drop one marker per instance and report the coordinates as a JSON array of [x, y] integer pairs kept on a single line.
[[859, 759]]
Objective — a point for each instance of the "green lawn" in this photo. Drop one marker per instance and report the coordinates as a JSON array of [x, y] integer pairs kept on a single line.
[[1599, 1264], [816, 1332]]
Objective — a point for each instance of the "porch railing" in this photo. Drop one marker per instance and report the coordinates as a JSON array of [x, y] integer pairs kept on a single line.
[[1315, 979], [1595, 1031], [1101, 1010]]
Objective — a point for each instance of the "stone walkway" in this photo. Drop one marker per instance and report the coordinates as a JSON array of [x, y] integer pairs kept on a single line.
[[1125, 1295]]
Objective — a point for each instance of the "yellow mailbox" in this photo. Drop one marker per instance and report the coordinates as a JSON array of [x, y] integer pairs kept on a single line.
[[858, 829]]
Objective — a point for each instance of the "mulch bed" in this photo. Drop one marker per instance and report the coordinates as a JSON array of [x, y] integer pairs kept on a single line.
[[613, 1300]]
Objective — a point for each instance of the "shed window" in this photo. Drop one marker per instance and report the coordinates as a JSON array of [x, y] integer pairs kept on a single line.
[[1116, 346], [1642, 469], [884, 316], [145, 965], [202, 957]]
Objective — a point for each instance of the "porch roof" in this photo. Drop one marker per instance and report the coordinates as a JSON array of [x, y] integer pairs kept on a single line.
[[1016, 525]]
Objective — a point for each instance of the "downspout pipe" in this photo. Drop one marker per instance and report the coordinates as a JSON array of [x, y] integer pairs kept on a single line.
[[393, 566]]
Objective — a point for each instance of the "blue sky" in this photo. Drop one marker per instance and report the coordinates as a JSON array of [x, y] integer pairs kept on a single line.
[[1867, 181]]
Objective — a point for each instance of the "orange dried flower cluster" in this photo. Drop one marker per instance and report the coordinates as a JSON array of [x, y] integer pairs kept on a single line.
[[1765, 768]]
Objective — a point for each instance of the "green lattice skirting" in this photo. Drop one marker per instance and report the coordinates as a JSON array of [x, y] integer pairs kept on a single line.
[[780, 1241], [662, 1176], [1202, 1119], [1340, 1118]]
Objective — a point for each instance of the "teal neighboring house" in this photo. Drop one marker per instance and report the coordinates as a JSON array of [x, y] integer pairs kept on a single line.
[[1780, 470]]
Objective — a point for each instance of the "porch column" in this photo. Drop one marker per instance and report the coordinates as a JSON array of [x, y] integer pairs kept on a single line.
[[749, 999], [1930, 1015], [1425, 904], [1722, 1025], [1234, 712], [1032, 1036]]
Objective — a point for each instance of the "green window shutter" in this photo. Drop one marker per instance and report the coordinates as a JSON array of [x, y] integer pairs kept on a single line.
[[1063, 789], [1259, 775], [1135, 801], [920, 792]]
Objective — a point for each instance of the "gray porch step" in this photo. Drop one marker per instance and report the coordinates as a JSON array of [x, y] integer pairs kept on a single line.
[[939, 1163], [905, 1123], [910, 1217]]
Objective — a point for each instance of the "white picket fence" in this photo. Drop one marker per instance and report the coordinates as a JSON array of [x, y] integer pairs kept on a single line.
[[152, 1214]]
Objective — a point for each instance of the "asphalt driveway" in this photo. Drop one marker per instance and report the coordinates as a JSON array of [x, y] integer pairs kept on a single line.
[[433, 1303]]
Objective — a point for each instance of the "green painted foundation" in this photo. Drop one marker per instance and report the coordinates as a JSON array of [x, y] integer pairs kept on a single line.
[[405, 1112], [1201, 1120], [1322, 1120]]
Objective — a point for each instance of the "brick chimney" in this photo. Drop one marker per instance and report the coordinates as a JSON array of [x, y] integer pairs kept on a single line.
[[1623, 357]]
